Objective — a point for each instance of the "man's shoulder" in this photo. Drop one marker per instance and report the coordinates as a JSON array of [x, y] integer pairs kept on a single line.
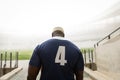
[[61, 40]]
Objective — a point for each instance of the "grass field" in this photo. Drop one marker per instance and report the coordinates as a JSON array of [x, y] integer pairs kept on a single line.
[[23, 54], [26, 54], [87, 49]]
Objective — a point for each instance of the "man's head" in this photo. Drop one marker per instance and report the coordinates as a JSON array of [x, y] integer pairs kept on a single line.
[[58, 31]]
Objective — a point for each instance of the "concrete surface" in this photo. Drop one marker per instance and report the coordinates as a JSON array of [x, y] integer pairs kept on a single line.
[[108, 58], [22, 75], [96, 75], [10, 74]]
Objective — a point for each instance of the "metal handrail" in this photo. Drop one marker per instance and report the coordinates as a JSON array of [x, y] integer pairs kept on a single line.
[[108, 36]]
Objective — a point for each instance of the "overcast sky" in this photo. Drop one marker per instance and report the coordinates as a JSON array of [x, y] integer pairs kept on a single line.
[[25, 23], [33, 17]]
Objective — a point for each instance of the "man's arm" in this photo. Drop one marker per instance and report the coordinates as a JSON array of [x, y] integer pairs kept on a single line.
[[79, 75], [32, 72], [79, 69]]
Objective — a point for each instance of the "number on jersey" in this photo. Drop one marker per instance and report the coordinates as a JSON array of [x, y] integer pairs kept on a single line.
[[60, 56]]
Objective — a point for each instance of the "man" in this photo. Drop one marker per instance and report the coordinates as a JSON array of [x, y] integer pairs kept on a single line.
[[57, 58]]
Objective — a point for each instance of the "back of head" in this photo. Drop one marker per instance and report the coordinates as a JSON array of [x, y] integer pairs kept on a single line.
[[58, 31]]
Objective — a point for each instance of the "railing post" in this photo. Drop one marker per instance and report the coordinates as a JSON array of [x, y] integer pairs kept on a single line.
[[94, 46], [5, 59], [89, 55], [97, 44], [10, 60], [92, 60], [92, 55], [1, 55], [84, 56], [108, 36], [5, 63], [89, 52], [1, 58], [16, 61]]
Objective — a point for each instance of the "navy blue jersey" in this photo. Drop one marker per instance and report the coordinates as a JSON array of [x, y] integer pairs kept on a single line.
[[58, 58]]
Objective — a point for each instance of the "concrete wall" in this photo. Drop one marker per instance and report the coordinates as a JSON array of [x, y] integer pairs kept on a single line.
[[108, 57], [4, 71]]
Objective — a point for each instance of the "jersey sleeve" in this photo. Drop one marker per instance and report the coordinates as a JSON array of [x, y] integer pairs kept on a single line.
[[35, 59], [80, 63]]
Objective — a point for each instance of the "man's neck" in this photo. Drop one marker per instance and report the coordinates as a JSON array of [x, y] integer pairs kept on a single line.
[[58, 37]]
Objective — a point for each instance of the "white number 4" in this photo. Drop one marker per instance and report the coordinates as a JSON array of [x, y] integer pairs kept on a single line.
[[60, 56]]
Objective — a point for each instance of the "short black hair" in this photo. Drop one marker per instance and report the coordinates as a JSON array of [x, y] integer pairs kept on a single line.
[[58, 33]]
